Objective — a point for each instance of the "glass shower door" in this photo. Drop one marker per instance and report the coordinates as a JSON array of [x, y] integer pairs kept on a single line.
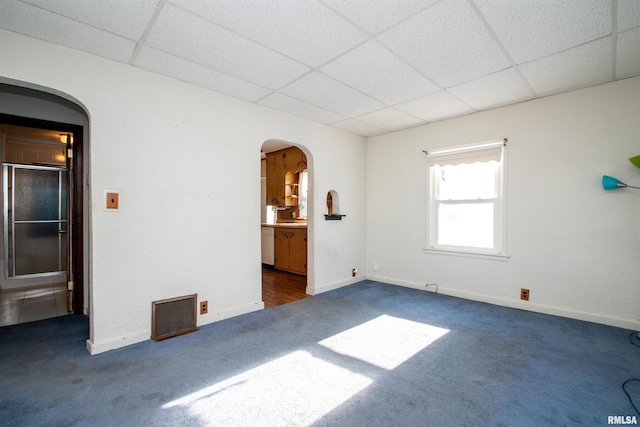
[[35, 220]]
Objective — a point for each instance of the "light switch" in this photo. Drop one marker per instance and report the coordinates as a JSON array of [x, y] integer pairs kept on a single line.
[[112, 200]]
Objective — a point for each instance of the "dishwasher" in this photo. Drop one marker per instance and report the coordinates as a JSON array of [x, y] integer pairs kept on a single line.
[[268, 256]]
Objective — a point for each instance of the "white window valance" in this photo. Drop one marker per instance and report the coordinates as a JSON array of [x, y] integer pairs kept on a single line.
[[486, 152]]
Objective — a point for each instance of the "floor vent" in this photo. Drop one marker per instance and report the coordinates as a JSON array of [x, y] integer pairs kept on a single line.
[[173, 316]]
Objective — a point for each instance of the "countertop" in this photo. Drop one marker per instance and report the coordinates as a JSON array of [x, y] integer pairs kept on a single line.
[[287, 225]]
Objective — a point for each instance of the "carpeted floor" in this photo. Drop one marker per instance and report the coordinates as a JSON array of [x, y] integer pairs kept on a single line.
[[369, 354]]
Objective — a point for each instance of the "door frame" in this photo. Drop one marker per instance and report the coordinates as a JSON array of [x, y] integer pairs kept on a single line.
[[77, 207]]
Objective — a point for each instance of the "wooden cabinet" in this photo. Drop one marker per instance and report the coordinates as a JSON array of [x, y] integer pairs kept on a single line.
[[291, 250], [283, 168], [275, 179], [294, 160]]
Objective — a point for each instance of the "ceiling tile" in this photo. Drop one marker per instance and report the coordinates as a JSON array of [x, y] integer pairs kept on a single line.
[[628, 14], [501, 88], [374, 70], [163, 63], [325, 92], [628, 54], [436, 106], [197, 40], [582, 66], [123, 17], [359, 128], [536, 28], [293, 106], [390, 119], [448, 43], [294, 26], [375, 16], [41, 24], [373, 65]]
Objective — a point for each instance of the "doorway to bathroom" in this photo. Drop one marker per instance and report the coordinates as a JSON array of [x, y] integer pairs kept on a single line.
[[41, 219]]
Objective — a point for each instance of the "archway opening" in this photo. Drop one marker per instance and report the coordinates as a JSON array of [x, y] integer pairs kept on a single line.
[[286, 217], [44, 138]]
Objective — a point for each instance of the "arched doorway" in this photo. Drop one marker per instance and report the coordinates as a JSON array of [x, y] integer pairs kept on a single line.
[[43, 244], [285, 218]]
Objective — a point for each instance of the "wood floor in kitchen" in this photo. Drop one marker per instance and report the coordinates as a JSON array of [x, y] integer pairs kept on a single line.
[[280, 287]]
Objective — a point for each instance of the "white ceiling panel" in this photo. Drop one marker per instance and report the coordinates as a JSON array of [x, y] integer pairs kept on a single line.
[[628, 14], [293, 106], [163, 63], [448, 43], [436, 106], [390, 119], [187, 36], [583, 66], [501, 88], [628, 59], [374, 70], [325, 92], [296, 25], [365, 66], [35, 22], [536, 28], [123, 17], [359, 128], [375, 16]]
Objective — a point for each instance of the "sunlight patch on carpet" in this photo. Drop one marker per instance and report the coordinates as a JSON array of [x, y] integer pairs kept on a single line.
[[296, 389], [385, 341]]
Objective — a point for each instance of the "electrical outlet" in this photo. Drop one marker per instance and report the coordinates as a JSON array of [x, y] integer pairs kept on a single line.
[[524, 294], [375, 266], [354, 272], [204, 307]]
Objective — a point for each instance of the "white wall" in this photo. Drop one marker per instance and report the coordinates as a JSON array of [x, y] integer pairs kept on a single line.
[[575, 246], [187, 163]]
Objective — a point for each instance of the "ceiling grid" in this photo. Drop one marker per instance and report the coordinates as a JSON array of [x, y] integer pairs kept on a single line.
[[365, 66]]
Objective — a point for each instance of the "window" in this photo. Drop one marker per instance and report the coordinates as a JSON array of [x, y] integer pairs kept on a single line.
[[467, 203], [302, 197]]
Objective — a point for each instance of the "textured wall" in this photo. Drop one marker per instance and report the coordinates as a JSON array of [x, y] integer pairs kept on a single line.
[[575, 246], [182, 157]]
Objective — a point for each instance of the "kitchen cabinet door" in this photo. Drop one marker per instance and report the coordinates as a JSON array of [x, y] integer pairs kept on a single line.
[[282, 251], [294, 160], [291, 250], [298, 252], [275, 179]]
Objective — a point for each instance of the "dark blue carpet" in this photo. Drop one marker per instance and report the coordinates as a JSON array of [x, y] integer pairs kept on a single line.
[[485, 366]]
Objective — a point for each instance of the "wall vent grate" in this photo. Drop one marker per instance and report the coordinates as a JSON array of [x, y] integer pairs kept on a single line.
[[173, 316]]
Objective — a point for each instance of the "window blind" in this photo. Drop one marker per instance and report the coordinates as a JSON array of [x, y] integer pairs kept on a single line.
[[471, 154]]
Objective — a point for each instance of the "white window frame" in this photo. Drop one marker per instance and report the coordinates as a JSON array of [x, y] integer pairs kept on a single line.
[[499, 251]]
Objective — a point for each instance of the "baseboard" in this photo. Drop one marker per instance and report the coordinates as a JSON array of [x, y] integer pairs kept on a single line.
[[115, 343], [521, 305], [213, 317], [315, 290], [140, 336]]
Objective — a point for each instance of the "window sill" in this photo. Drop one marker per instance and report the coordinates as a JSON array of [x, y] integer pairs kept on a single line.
[[468, 253]]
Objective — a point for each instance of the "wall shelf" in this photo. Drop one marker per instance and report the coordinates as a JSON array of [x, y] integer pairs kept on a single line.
[[333, 217]]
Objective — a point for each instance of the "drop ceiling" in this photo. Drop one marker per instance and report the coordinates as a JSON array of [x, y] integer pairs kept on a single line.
[[366, 66]]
